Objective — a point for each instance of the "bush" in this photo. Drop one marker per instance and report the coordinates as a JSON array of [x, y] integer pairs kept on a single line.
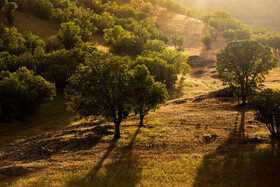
[[22, 93], [207, 40]]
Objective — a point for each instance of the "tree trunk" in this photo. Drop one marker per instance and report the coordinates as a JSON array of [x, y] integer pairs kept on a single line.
[[117, 130], [243, 100], [141, 120]]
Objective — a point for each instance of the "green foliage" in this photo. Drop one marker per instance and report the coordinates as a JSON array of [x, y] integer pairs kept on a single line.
[[41, 8], [59, 65], [155, 45], [207, 40], [102, 21], [178, 60], [178, 41], [32, 41], [13, 42], [22, 93], [244, 64], [229, 35], [99, 88], [162, 72], [221, 20], [243, 33], [267, 104], [69, 35], [122, 40], [213, 32], [10, 11], [146, 94]]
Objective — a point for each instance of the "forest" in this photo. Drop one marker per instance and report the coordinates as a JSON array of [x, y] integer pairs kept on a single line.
[[138, 93]]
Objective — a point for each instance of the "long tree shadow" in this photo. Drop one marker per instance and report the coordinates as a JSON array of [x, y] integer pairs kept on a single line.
[[237, 162], [80, 137], [122, 171]]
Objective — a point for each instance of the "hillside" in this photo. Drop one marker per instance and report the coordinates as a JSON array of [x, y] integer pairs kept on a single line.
[[264, 13], [200, 137]]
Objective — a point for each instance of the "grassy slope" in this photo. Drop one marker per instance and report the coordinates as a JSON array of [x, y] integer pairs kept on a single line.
[[171, 150]]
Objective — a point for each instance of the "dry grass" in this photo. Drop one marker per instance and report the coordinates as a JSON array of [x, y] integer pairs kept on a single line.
[[169, 150]]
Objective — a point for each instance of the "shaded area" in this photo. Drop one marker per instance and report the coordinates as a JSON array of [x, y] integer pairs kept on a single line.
[[237, 162], [177, 91], [122, 171], [78, 137], [51, 116]]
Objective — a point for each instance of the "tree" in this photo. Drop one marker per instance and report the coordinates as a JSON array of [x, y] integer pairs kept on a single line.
[[32, 41], [162, 72], [244, 64], [10, 11], [213, 32], [207, 40], [100, 88], [178, 41], [155, 45], [22, 93], [146, 94], [267, 105], [229, 35], [69, 35], [243, 33]]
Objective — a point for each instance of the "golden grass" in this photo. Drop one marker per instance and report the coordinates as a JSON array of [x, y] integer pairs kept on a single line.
[[169, 151]]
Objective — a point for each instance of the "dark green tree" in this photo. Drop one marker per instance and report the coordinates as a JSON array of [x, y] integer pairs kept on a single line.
[[243, 64], [22, 93], [267, 105], [32, 41], [146, 94], [10, 11], [100, 88], [69, 35]]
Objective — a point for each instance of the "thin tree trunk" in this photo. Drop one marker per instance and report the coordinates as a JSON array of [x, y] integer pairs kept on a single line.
[[141, 120], [243, 100], [117, 130]]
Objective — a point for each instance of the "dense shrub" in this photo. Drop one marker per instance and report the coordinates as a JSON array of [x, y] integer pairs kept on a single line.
[[22, 93]]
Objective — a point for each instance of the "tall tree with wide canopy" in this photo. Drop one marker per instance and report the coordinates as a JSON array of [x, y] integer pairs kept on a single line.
[[244, 64], [100, 88]]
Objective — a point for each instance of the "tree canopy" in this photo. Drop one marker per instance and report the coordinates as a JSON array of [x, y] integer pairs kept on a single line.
[[244, 64], [267, 105], [99, 88], [69, 35], [146, 94]]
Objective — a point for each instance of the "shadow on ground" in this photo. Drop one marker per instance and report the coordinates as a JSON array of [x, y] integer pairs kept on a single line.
[[238, 162], [122, 171], [74, 138]]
